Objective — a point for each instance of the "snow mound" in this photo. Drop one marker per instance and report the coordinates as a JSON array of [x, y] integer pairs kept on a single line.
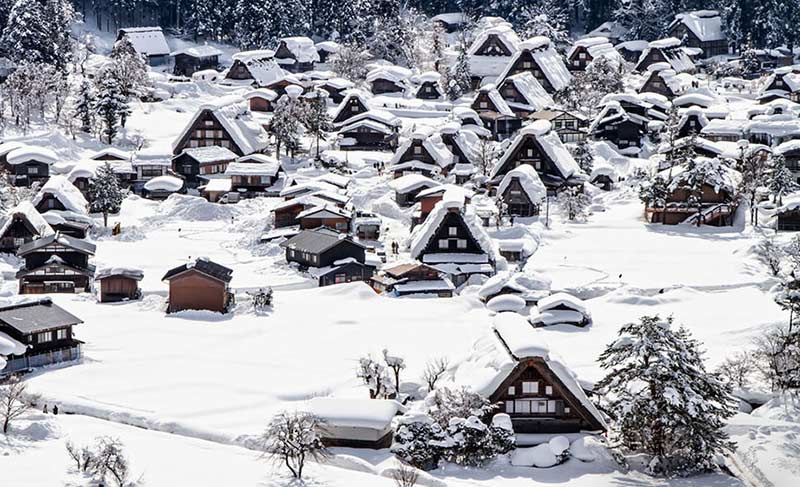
[[506, 302], [540, 456], [559, 444], [781, 408], [40, 430], [584, 449], [194, 208]]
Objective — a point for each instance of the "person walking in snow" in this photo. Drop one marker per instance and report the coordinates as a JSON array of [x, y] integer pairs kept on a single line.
[[55, 409], [45, 409]]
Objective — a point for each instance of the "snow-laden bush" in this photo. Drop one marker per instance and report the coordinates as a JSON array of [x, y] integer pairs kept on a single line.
[[417, 439]]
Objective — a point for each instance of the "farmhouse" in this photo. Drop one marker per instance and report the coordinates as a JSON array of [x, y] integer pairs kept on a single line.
[[787, 216], [538, 57], [254, 68], [522, 191], [36, 333], [330, 256], [389, 79], [491, 51], [226, 123], [587, 49], [495, 114], [569, 125], [252, 175], [700, 29], [371, 130], [328, 215], [27, 164], [429, 87], [408, 186], [531, 287], [161, 187], [513, 367], [424, 147], [199, 164], [55, 263], [668, 51], [296, 54], [354, 103], [196, 58], [60, 194], [412, 279], [149, 42], [199, 285], [524, 95], [325, 50]]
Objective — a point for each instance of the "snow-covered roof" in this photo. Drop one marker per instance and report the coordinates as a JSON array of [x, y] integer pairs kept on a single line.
[[164, 183], [432, 143], [10, 346], [88, 168], [107, 270], [609, 29], [64, 191], [689, 99], [28, 153], [497, 100], [374, 414], [360, 95], [496, 354], [505, 34], [210, 153], [233, 114], [327, 46], [529, 87], [261, 65], [410, 182], [199, 51], [7, 147], [724, 127], [547, 58], [677, 56], [451, 18], [324, 211], [529, 180], [423, 233], [705, 24], [526, 285], [111, 152], [149, 41], [395, 74], [302, 48], [242, 168], [27, 210], [217, 185], [788, 146], [596, 47], [541, 131], [634, 46], [440, 190], [264, 93], [718, 175], [562, 300]]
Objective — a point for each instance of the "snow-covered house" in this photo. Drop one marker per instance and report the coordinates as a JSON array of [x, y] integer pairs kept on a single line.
[[692, 121], [700, 29], [408, 186], [371, 130], [663, 80], [491, 51], [787, 216], [354, 423], [452, 240], [560, 309], [35, 333], [252, 175], [538, 57], [58, 193], [200, 284], [161, 187], [389, 79], [82, 172], [325, 50], [296, 54], [783, 83], [726, 130], [530, 287], [148, 42], [495, 114], [513, 367], [355, 102], [450, 21], [27, 164], [329, 256], [55, 263], [197, 165], [613, 31], [524, 95], [538, 146], [429, 197], [569, 125], [328, 216], [335, 88], [111, 154], [622, 126], [790, 150], [195, 58], [412, 278], [587, 49], [226, 123], [430, 87], [147, 169], [631, 51], [261, 99], [425, 147], [670, 51], [256, 68], [713, 203], [118, 283], [463, 143], [367, 226], [22, 224], [522, 191]]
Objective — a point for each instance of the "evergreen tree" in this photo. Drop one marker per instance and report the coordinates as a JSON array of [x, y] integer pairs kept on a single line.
[[584, 156], [84, 105], [546, 18], [285, 125], [59, 15], [654, 193], [26, 37], [252, 17], [574, 203], [645, 19], [105, 193], [129, 68], [110, 105], [780, 179], [754, 176], [315, 118], [350, 62], [459, 79], [663, 400]]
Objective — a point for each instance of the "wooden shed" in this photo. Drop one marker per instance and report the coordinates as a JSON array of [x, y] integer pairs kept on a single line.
[[199, 285], [118, 284]]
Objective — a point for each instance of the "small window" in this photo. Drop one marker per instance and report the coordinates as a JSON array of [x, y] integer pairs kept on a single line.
[[444, 244], [530, 387], [551, 406], [548, 390], [529, 152], [462, 243], [61, 334], [512, 390], [582, 55], [43, 337], [353, 108], [509, 406], [452, 231], [417, 149], [527, 64], [566, 410], [522, 407], [483, 104]]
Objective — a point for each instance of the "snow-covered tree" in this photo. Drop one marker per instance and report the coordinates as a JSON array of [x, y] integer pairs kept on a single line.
[[110, 463], [110, 105], [417, 441], [548, 18], [84, 105], [601, 77], [753, 169], [252, 19], [105, 193], [25, 36], [574, 203], [375, 377], [447, 404], [645, 19], [286, 125], [698, 173], [788, 297], [583, 155], [350, 61], [737, 369], [457, 79], [771, 255], [434, 370], [315, 117], [779, 179], [777, 358], [664, 402], [292, 438], [401, 37], [471, 442], [129, 68], [395, 364]]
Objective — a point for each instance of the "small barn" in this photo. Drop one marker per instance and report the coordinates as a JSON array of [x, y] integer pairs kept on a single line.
[[148, 42], [27, 164], [58, 193], [354, 423], [329, 256], [560, 309], [388, 80], [329, 216], [196, 58], [430, 87], [408, 186], [118, 283], [199, 285], [522, 191], [161, 187]]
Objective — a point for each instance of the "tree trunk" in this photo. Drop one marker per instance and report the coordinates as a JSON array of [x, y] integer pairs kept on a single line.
[[105, 219]]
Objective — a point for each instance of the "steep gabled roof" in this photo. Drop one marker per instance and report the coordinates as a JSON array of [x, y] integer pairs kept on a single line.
[[35, 316], [232, 113], [546, 57], [76, 244], [705, 24], [531, 90], [541, 131], [318, 240], [64, 191], [33, 219], [204, 266]]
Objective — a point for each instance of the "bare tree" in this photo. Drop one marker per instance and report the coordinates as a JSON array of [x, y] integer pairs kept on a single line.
[[434, 370], [396, 364], [83, 457], [292, 438], [777, 358], [13, 402], [771, 255], [405, 475], [110, 461], [737, 369], [374, 375]]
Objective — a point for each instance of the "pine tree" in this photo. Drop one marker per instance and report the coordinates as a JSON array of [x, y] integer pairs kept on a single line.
[[26, 37], [285, 125], [547, 18], [110, 105], [129, 68], [459, 79], [780, 179], [574, 203], [105, 193], [315, 117], [584, 156], [251, 18], [645, 19], [663, 400], [84, 105]]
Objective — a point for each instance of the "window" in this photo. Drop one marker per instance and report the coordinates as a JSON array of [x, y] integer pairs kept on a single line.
[[354, 108], [551, 406], [33, 170], [522, 407], [61, 334], [512, 390], [566, 410], [18, 241], [529, 152], [428, 89], [483, 104], [539, 407], [444, 244], [461, 243], [582, 55], [452, 231], [527, 64], [575, 62], [530, 387], [43, 337], [509, 406], [291, 253], [548, 390], [417, 149], [314, 259], [208, 123]]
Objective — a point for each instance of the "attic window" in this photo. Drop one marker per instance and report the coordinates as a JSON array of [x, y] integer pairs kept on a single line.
[[452, 231], [353, 108], [530, 387], [582, 55], [529, 152], [483, 104], [548, 390], [417, 149], [512, 390], [444, 244], [527, 64], [462, 243]]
